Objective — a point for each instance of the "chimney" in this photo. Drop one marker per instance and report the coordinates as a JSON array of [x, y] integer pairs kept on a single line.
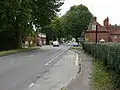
[[94, 18], [106, 23]]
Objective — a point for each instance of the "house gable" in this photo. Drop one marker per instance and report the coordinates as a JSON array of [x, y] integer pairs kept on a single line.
[[102, 32]]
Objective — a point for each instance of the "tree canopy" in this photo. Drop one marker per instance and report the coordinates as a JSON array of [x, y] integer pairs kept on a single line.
[[17, 17], [76, 20]]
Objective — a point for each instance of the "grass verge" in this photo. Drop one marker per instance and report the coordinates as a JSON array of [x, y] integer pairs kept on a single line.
[[76, 48], [7, 52], [62, 89], [100, 78]]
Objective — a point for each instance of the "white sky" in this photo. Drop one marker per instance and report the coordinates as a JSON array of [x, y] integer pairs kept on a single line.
[[99, 8]]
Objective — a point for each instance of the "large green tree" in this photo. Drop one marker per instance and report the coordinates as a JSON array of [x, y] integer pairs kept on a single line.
[[14, 20], [76, 20], [17, 17]]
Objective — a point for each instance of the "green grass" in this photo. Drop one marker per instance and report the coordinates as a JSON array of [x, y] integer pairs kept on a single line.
[[100, 78], [62, 89], [3, 53], [76, 48]]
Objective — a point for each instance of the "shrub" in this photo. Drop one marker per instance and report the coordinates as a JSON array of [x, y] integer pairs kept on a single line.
[[109, 54]]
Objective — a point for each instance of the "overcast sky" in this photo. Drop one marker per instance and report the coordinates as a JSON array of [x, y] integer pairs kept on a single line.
[[99, 8]]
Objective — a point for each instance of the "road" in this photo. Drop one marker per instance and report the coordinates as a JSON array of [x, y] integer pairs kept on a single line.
[[18, 71]]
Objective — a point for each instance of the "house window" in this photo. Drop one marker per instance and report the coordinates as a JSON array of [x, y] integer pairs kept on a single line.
[[93, 27]]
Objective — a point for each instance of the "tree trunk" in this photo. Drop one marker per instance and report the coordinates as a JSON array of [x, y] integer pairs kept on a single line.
[[54, 38], [19, 41], [18, 38], [59, 40], [47, 41], [77, 39]]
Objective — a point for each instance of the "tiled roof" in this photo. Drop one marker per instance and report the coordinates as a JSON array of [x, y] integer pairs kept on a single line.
[[115, 30], [100, 26]]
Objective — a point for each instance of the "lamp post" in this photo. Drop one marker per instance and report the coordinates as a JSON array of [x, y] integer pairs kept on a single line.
[[96, 41], [96, 33], [95, 27]]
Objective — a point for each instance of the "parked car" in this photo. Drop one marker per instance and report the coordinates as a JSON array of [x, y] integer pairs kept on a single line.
[[56, 43], [75, 44]]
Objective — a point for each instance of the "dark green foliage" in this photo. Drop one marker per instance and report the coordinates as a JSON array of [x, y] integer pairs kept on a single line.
[[109, 54], [18, 16], [76, 20]]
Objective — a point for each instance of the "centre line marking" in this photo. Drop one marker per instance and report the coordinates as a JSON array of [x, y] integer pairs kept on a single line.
[[31, 85], [54, 58], [46, 64]]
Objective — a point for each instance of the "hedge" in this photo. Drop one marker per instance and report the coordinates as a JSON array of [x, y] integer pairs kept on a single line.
[[109, 53]]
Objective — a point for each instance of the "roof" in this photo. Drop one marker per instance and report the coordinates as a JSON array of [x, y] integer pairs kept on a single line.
[[101, 28], [114, 30]]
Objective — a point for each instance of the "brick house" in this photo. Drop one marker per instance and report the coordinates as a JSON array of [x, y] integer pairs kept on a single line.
[[115, 33], [29, 41], [107, 32], [41, 39]]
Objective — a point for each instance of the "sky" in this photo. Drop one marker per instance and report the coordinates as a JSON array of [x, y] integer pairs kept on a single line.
[[99, 8]]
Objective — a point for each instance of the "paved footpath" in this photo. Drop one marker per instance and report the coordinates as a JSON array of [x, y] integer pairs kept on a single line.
[[82, 81], [59, 75]]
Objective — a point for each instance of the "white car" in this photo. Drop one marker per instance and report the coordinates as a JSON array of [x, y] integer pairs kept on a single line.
[[75, 44], [56, 43]]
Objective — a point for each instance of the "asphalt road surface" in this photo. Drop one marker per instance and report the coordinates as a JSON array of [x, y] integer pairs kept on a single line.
[[18, 71]]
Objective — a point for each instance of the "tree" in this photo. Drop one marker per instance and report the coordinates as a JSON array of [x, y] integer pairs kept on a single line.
[[45, 11], [56, 26], [19, 16], [14, 18], [77, 20]]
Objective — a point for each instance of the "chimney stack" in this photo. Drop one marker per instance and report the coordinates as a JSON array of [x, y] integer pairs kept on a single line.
[[106, 23], [94, 18]]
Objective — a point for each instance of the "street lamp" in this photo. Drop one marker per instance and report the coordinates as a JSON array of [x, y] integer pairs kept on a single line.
[[96, 33], [96, 41], [95, 27]]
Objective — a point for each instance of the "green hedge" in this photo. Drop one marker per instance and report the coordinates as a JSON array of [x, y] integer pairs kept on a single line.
[[109, 53]]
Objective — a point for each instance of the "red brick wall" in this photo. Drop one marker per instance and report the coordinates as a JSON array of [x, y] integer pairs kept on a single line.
[[91, 36], [115, 38]]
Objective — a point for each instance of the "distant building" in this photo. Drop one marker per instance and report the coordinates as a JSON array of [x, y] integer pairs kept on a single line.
[[41, 39], [107, 32], [115, 33]]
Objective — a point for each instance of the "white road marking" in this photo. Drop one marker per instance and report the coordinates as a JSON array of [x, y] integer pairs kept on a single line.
[[69, 81], [77, 62], [54, 58], [31, 85], [30, 56], [50, 61], [46, 64]]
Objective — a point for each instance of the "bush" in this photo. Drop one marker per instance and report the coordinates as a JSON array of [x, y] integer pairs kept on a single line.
[[109, 54]]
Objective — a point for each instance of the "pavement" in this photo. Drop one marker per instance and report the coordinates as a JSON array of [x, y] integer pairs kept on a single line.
[[59, 75], [83, 80], [19, 71]]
